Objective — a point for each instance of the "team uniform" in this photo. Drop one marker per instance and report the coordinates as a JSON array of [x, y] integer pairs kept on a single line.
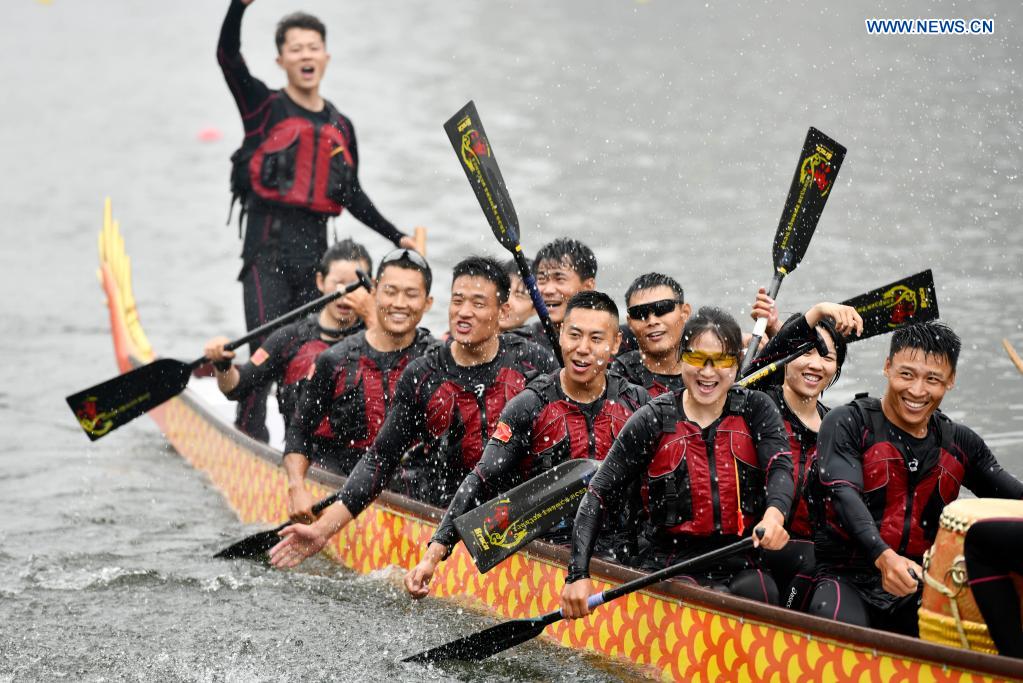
[[452, 410], [294, 170], [539, 429], [702, 488], [886, 489], [629, 366], [344, 403], [286, 357]]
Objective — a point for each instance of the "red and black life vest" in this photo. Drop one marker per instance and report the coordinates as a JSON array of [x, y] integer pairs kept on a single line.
[[474, 411], [363, 393], [905, 502], [298, 161], [805, 472], [705, 482], [297, 370], [639, 374], [563, 431]]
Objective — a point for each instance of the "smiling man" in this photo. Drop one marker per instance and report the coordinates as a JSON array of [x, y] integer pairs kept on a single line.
[[563, 268], [657, 314], [348, 395], [449, 399], [575, 412], [889, 467], [297, 166]]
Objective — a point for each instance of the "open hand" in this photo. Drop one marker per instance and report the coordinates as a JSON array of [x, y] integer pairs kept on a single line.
[[299, 541]]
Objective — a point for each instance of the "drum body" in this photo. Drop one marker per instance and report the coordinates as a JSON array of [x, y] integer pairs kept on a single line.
[[948, 614]]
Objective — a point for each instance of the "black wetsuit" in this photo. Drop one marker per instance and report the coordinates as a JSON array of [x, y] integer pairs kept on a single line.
[[629, 366], [699, 496], [539, 429], [453, 411], [286, 357], [344, 404], [283, 244], [994, 551], [886, 489]]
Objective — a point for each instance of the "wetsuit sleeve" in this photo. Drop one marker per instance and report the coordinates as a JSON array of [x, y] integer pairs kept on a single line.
[[773, 450], [499, 457], [984, 476], [629, 456], [312, 406], [403, 427], [252, 375], [249, 92], [360, 205], [841, 474], [790, 336]]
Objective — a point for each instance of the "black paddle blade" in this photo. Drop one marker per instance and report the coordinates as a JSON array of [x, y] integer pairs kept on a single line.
[[483, 644], [465, 131], [502, 526], [904, 302], [811, 186], [105, 407], [253, 547]]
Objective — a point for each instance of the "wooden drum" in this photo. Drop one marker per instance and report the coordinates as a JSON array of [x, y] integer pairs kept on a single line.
[[948, 614]]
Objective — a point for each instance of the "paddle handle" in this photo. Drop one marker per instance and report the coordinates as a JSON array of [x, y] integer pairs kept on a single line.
[[768, 369], [541, 309], [761, 326], [363, 281]]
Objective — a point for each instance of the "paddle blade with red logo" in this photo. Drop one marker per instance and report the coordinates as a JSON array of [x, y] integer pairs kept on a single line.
[[502, 526], [904, 302], [811, 186], [102, 408]]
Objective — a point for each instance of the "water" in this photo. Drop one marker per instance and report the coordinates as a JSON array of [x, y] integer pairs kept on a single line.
[[662, 133]]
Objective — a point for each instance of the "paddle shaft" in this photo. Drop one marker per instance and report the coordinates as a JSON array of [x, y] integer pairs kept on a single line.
[[760, 327], [541, 309], [280, 321]]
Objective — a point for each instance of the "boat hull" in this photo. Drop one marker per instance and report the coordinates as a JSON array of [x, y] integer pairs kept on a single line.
[[677, 632]]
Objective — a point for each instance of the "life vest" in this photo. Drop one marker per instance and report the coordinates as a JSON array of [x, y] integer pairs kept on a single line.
[[289, 388], [363, 394], [562, 430], [637, 373], [700, 486], [905, 503], [804, 471], [298, 162], [473, 411]]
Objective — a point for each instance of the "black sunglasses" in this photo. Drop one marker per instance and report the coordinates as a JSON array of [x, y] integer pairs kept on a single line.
[[644, 311]]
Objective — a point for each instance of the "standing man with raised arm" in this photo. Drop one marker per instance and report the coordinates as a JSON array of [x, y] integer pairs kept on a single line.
[[297, 166]]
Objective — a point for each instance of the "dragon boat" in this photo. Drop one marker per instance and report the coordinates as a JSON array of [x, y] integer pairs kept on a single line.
[[671, 631]]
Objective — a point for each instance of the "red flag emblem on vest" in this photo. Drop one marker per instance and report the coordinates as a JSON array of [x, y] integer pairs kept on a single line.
[[502, 432], [259, 356]]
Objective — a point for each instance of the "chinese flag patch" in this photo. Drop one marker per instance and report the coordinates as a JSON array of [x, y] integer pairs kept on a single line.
[[259, 356], [502, 432]]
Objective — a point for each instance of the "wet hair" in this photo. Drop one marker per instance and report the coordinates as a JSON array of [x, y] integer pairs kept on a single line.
[[577, 255], [346, 250], [298, 20], [512, 268], [486, 268], [651, 280], [931, 337], [409, 260], [719, 323], [594, 301]]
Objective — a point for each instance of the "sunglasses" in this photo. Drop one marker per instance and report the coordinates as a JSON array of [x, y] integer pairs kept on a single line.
[[700, 358], [644, 311], [410, 255]]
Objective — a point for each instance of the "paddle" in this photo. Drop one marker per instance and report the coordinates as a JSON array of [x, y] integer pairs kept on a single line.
[[811, 185], [908, 301], [498, 638], [259, 544], [504, 525], [465, 131], [103, 408]]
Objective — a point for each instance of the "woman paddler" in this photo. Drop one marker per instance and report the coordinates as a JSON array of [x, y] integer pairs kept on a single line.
[[715, 462], [797, 392]]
